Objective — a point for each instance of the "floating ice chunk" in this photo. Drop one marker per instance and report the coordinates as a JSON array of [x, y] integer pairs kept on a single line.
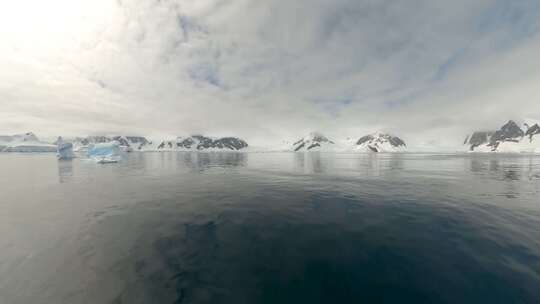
[[105, 152], [64, 150]]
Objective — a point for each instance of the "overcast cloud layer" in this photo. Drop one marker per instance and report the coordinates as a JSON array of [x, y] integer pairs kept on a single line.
[[428, 71]]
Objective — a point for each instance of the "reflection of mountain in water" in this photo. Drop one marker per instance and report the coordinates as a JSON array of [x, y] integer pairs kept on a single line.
[[496, 168], [204, 161], [310, 162], [289, 228], [509, 170], [376, 165]]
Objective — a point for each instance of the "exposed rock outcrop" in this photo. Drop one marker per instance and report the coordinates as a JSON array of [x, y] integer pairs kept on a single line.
[[202, 143], [313, 141], [380, 142]]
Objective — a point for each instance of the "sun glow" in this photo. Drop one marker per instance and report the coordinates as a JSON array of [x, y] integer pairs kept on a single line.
[[42, 28]]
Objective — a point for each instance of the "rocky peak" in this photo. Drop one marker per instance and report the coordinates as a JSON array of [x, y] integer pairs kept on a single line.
[[200, 142], [378, 142], [532, 130], [478, 138], [509, 132], [318, 137], [311, 141], [509, 138]]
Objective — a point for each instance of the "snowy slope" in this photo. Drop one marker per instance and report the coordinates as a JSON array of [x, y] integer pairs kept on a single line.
[[510, 138], [376, 142], [380, 142], [314, 141], [127, 143], [27, 142], [198, 143]]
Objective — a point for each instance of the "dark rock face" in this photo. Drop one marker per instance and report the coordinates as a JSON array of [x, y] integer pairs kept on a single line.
[[312, 141], [396, 141], [509, 132], [365, 139], [533, 130], [393, 140], [132, 141], [300, 144], [204, 142], [127, 141], [314, 145], [201, 142], [122, 140], [478, 138], [137, 139], [93, 140], [99, 139], [186, 143], [373, 149], [232, 143], [319, 138]]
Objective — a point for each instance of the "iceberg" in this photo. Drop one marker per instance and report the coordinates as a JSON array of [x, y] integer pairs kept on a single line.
[[105, 152], [64, 150], [26, 143]]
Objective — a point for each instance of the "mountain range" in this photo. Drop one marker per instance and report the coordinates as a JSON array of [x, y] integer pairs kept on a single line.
[[510, 138], [202, 143], [375, 142]]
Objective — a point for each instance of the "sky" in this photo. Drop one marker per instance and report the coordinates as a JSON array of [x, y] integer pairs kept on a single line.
[[269, 71]]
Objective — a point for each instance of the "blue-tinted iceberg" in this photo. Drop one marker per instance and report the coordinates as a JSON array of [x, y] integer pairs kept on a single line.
[[105, 152], [64, 150]]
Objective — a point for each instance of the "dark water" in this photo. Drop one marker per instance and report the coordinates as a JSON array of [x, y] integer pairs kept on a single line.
[[270, 228]]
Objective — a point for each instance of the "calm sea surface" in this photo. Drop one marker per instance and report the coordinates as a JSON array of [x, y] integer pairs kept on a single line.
[[270, 228]]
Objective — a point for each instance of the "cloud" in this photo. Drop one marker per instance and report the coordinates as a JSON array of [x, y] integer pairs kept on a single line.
[[271, 70]]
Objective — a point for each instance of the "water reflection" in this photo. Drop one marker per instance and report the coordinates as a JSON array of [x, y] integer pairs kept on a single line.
[[65, 170], [381, 164], [205, 161], [510, 170], [374, 165], [500, 168], [270, 228], [311, 162]]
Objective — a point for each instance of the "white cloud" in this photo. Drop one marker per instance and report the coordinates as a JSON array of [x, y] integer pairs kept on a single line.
[[431, 71]]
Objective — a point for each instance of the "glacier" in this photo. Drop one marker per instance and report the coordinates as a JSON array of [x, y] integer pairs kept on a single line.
[[26, 143]]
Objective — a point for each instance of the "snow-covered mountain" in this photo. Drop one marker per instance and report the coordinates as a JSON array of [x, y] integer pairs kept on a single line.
[[313, 141], [128, 143], [380, 142], [27, 142], [201, 143], [509, 138]]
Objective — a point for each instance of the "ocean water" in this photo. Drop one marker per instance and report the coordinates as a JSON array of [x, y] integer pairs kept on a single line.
[[270, 228]]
